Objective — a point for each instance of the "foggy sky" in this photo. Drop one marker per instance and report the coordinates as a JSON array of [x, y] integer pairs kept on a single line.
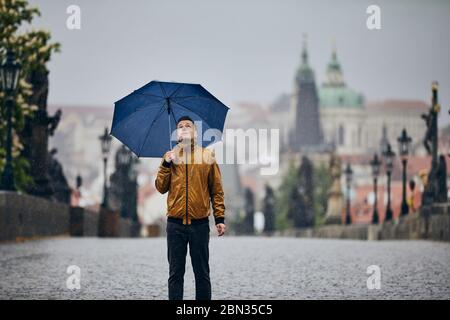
[[245, 50]]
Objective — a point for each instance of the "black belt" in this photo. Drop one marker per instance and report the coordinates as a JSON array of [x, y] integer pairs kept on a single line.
[[193, 221]]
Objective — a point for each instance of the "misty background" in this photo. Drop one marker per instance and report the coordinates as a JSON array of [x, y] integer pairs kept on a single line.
[[245, 50]]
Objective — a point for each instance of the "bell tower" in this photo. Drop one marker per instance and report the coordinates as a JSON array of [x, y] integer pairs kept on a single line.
[[306, 131]]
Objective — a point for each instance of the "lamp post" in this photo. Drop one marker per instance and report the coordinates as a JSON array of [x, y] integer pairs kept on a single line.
[[375, 164], [105, 140], [389, 160], [9, 78], [403, 144], [348, 178], [79, 182]]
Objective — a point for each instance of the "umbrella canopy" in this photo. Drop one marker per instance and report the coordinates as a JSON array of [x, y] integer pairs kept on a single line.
[[145, 119]]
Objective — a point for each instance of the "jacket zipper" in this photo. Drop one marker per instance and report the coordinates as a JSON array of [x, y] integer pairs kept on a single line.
[[187, 174]]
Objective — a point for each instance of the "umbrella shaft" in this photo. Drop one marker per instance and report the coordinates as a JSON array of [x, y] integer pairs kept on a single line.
[[170, 129]]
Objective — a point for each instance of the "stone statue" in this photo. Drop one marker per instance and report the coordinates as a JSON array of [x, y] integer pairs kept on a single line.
[[442, 180], [429, 133], [249, 212], [297, 210], [335, 196], [269, 209], [59, 185], [431, 192], [35, 137], [305, 186], [123, 189]]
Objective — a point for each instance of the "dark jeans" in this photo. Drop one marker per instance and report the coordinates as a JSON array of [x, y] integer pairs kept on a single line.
[[178, 237]]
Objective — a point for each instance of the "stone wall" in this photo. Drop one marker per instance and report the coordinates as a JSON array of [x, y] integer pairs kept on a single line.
[[25, 216], [430, 223]]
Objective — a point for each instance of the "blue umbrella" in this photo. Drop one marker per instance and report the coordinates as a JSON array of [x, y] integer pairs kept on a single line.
[[144, 119]]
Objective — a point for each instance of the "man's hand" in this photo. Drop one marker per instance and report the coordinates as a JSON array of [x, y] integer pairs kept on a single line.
[[170, 155], [220, 228]]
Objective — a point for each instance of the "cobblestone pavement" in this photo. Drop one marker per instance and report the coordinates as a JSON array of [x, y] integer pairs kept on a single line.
[[241, 268]]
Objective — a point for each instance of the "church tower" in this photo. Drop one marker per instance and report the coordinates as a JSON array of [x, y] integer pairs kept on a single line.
[[306, 132]]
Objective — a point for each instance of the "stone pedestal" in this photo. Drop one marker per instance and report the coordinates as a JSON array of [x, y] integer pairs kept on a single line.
[[109, 223], [335, 207], [83, 222]]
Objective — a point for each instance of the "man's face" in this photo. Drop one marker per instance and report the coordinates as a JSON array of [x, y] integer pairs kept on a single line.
[[185, 130]]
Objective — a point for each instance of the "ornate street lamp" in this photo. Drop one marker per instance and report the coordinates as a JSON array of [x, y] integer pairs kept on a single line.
[[375, 164], [389, 161], [9, 73], [123, 157], [9, 78], [403, 144], [348, 178], [105, 140]]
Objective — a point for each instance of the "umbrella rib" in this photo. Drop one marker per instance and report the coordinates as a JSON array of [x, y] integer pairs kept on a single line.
[[199, 97], [146, 107], [183, 106], [187, 97], [162, 88], [150, 95], [135, 110], [173, 116], [149, 127], [191, 97], [176, 90]]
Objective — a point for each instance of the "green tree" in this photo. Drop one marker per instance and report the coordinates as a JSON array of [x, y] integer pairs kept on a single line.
[[289, 195], [282, 198], [33, 49], [322, 180]]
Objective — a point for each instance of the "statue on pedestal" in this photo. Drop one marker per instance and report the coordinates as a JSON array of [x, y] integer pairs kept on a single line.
[[335, 196], [35, 137], [59, 185]]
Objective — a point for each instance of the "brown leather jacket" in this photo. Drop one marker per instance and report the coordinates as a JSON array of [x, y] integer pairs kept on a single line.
[[190, 195]]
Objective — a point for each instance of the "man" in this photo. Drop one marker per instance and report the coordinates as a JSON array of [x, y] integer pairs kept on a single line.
[[192, 177]]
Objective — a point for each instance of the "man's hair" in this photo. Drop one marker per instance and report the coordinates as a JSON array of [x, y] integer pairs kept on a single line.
[[185, 118]]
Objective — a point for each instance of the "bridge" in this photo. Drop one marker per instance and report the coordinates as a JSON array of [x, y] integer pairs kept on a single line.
[[241, 268]]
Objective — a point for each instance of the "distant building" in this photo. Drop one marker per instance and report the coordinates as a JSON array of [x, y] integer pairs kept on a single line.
[[394, 114], [348, 122], [306, 130], [345, 120], [342, 112]]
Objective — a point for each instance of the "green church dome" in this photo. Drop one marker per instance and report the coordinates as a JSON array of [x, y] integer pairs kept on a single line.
[[334, 93], [340, 97]]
